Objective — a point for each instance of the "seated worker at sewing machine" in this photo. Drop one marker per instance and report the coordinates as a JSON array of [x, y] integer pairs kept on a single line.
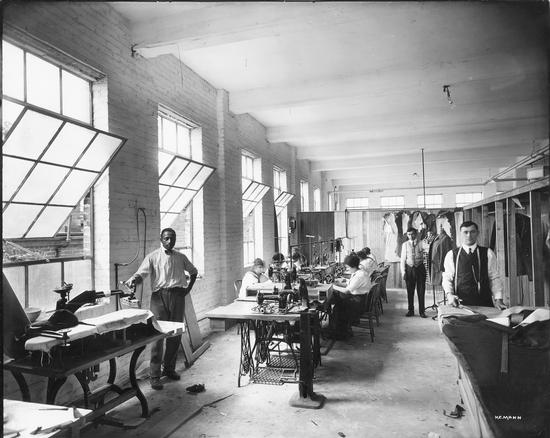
[[298, 260], [255, 279], [348, 298], [278, 268], [368, 261]]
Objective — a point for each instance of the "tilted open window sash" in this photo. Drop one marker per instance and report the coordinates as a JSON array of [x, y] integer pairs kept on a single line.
[[282, 201], [252, 195], [50, 162], [180, 179]]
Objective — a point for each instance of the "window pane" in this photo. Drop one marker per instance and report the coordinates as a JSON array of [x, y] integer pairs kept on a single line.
[[169, 135], [76, 97], [31, 135], [79, 273], [41, 183], [42, 280], [72, 189], [68, 145], [10, 112], [168, 220], [99, 152], [201, 178], [188, 174], [16, 278], [169, 199], [42, 83], [13, 172], [12, 71], [183, 201], [49, 221], [184, 143], [164, 160], [163, 190], [173, 171], [17, 218]]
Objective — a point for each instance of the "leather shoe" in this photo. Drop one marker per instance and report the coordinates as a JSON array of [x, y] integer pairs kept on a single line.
[[423, 315], [155, 383], [410, 313], [172, 375]]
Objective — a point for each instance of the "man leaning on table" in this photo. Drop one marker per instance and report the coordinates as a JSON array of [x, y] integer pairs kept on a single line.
[[166, 268], [471, 275]]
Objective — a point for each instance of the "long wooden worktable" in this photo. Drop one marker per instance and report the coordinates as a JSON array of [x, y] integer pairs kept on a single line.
[[503, 371], [276, 327]]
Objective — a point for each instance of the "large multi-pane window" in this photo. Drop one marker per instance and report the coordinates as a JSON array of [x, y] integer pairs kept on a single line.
[[252, 193], [181, 177], [304, 195], [432, 201], [392, 201], [52, 156], [463, 199], [316, 199], [357, 203], [282, 198]]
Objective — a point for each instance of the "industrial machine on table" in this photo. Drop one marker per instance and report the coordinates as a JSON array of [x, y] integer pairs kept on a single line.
[[63, 346]]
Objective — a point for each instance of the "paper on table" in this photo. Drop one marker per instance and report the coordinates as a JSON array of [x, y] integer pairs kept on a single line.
[[537, 315], [502, 320]]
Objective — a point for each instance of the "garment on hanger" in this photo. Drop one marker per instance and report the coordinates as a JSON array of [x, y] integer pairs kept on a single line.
[[401, 218], [429, 220], [439, 248], [417, 220], [390, 238], [523, 245]]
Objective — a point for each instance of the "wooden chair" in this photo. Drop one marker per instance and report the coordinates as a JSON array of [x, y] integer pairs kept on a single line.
[[369, 313]]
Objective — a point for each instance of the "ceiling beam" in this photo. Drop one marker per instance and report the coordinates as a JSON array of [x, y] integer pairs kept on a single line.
[[504, 154], [220, 24], [398, 79], [497, 115]]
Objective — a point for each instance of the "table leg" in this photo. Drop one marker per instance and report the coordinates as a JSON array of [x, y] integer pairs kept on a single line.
[[112, 371], [54, 385], [246, 363], [135, 386], [23, 387], [83, 380]]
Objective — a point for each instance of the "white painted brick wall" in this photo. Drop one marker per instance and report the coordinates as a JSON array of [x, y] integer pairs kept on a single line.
[[127, 102]]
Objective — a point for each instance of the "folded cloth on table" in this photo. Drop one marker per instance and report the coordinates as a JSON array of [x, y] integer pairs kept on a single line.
[[118, 320]]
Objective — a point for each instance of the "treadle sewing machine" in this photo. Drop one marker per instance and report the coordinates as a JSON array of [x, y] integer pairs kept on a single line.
[[286, 342], [79, 350]]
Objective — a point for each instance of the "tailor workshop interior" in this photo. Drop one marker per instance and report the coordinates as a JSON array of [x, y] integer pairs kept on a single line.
[[272, 219]]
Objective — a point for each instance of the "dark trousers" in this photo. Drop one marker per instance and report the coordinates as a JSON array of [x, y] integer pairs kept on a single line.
[[166, 305], [347, 309], [415, 277]]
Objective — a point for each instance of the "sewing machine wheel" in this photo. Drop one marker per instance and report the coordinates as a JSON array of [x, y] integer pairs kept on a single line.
[[329, 278]]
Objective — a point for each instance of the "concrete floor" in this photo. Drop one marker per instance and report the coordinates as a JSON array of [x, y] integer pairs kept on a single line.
[[397, 386]]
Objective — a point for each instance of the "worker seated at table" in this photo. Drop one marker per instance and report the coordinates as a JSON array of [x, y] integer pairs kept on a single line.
[[347, 300], [255, 279], [278, 261], [367, 260], [298, 260]]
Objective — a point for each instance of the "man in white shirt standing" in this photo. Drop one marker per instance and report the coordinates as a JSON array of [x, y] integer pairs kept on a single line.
[[413, 271], [471, 273], [166, 268]]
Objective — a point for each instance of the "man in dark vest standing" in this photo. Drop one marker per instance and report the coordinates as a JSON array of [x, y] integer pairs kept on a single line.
[[471, 275]]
